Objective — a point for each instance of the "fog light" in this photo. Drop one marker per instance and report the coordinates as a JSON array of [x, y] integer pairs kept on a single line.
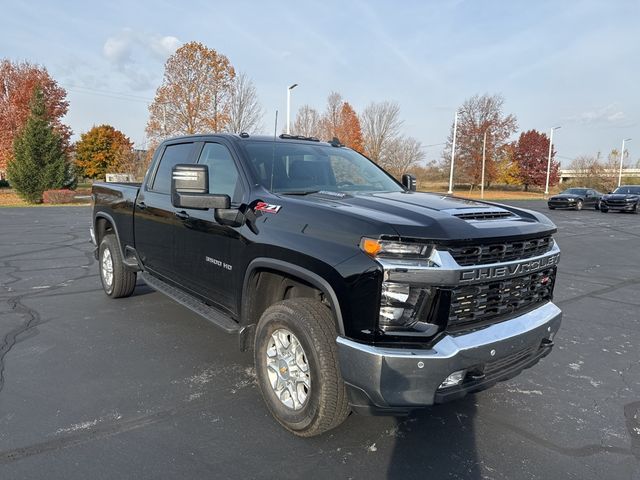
[[454, 379]]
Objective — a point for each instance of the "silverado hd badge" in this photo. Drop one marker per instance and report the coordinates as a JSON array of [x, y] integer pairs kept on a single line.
[[507, 271]]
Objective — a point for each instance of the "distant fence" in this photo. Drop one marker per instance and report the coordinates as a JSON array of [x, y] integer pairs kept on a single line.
[[568, 174]]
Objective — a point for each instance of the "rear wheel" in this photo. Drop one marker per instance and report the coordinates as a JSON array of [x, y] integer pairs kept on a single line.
[[296, 361], [117, 280], [579, 205]]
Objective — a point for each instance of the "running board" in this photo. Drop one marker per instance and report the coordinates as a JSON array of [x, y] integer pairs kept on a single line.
[[192, 303]]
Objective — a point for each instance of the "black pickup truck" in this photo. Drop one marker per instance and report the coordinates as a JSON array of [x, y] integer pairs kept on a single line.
[[354, 291]]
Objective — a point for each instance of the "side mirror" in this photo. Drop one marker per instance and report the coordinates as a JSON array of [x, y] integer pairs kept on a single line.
[[409, 182], [190, 188]]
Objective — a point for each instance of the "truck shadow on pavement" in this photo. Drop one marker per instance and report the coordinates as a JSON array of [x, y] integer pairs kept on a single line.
[[437, 442]]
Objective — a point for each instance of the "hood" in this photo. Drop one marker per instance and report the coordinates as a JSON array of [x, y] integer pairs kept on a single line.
[[621, 196], [432, 216], [566, 195]]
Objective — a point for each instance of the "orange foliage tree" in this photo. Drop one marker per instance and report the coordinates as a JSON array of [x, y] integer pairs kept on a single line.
[[101, 150], [340, 120], [194, 95], [18, 81], [348, 130]]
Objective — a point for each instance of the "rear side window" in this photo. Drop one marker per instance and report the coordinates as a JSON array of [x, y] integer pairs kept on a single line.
[[223, 174], [173, 155]]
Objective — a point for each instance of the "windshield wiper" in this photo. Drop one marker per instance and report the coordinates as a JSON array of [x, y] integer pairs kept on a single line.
[[300, 192]]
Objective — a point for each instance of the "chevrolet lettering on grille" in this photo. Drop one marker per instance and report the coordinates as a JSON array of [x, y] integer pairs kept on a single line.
[[507, 271]]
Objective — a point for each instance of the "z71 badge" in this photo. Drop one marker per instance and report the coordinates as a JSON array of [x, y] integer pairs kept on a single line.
[[267, 207]]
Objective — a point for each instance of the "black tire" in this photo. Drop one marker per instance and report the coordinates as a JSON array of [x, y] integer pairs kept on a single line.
[[312, 323], [635, 208], [123, 280], [551, 208], [579, 205], [604, 209]]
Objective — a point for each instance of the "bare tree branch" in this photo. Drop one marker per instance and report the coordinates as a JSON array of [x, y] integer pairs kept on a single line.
[[245, 112], [380, 123]]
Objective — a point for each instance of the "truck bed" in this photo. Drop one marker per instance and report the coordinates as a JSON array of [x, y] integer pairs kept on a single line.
[[117, 200]]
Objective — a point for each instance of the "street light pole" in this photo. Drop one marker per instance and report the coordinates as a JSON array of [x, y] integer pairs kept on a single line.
[[453, 152], [546, 188], [622, 160], [291, 87], [484, 157]]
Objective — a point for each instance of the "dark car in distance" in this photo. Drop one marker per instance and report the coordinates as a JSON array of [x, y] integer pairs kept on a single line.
[[576, 198], [625, 199]]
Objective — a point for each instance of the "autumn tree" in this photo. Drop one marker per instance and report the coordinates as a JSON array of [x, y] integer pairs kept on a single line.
[[531, 155], [39, 160], [18, 80], [331, 118], [102, 150], [195, 93], [507, 171], [477, 115], [245, 112], [348, 129], [308, 123], [380, 124]]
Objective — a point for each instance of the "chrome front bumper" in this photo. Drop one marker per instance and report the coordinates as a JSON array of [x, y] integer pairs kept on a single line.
[[402, 379]]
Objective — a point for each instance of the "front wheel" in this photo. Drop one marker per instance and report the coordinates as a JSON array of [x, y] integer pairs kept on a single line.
[[579, 205], [604, 209], [296, 362], [551, 208], [117, 280]]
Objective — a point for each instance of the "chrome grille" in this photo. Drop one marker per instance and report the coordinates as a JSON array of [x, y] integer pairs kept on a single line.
[[479, 305], [500, 252]]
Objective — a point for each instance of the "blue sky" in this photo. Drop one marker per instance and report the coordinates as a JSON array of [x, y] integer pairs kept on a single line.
[[574, 63]]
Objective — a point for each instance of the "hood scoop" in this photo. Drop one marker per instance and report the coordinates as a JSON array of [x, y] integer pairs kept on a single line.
[[482, 214]]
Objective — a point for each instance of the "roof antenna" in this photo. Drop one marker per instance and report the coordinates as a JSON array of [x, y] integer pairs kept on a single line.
[[273, 153]]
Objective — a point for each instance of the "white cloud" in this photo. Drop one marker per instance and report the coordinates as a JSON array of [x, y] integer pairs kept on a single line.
[[607, 114], [129, 52], [117, 49], [162, 46]]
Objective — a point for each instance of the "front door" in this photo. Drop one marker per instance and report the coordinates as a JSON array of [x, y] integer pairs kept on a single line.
[[155, 217], [209, 252]]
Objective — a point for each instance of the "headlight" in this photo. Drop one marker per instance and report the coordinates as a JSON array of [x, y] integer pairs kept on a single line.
[[401, 306], [392, 249]]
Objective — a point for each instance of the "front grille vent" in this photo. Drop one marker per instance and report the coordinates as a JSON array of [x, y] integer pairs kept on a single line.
[[485, 215], [479, 305], [500, 252]]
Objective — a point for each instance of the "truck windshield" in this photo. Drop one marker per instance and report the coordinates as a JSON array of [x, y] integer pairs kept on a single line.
[[298, 168]]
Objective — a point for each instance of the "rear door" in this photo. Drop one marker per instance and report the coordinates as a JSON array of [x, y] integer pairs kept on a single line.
[[155, 217], [209, 253]]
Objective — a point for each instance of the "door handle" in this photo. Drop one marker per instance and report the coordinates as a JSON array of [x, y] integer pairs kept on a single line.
[[182, 215], [142, 205]]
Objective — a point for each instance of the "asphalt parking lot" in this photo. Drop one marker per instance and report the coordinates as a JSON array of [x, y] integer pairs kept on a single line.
[[143, 388]]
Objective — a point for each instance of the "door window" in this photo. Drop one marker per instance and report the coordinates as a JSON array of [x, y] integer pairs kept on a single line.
[[173, 155], [223, 173]]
